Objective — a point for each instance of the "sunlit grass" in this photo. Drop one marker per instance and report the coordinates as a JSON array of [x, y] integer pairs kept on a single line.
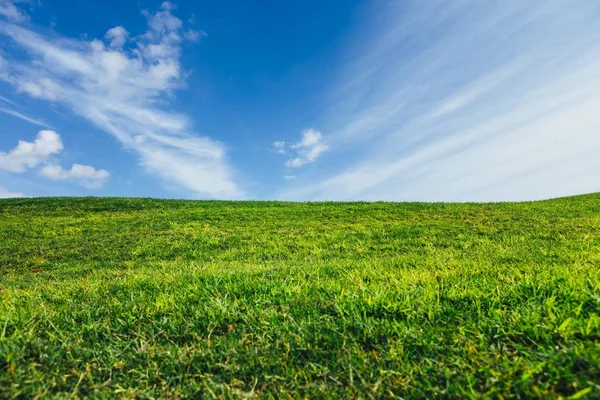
[[148, 298]]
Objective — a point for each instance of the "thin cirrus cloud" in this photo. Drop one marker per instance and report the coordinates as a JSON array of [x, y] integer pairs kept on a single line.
[[39, 153], [8, 101], [464, 100], [122, 85], [24, 117]]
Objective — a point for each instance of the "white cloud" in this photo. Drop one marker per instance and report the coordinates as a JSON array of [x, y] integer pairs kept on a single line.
[[11, 12], [193, 36], [279, 146], [169, 6], [87, 176], [8, 101], [306, 151], [46, 144], [44, 89], [117, 36], [24, 117], [472, 113], [5, 194], [126, 93], [31, 154], [163, 21]]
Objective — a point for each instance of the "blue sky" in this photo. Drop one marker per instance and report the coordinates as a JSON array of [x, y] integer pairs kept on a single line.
[[309, 100]]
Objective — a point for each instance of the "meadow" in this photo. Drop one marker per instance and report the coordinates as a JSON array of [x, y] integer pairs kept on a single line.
[[143, 298]]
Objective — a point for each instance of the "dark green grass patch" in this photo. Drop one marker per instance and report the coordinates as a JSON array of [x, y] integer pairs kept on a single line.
[[146, 298]]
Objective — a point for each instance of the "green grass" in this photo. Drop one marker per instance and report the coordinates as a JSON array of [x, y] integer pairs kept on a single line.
[[146, 298]]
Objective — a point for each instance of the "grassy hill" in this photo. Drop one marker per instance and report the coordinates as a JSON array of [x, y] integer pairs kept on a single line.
[[152, 298]]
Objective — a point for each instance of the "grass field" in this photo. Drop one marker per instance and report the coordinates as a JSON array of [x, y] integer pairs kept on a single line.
[[146, 298]]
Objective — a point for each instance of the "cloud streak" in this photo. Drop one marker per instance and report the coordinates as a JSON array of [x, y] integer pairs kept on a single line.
[[24, 117], [490, 101], [124, 87]]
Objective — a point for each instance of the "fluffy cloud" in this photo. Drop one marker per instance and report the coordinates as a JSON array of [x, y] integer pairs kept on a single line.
[[5, 194], [48, 143], [306, 151], [117, 36], [31, 154], [126, 90], [85, 175]]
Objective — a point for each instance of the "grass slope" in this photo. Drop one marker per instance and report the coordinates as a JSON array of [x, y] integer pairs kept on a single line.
[[148, 298]]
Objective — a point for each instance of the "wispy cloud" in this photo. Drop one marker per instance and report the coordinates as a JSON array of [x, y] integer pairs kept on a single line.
[[279, 146], [467, 101], [24, 117], [8, 101], [9, 10], [124, 86]]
